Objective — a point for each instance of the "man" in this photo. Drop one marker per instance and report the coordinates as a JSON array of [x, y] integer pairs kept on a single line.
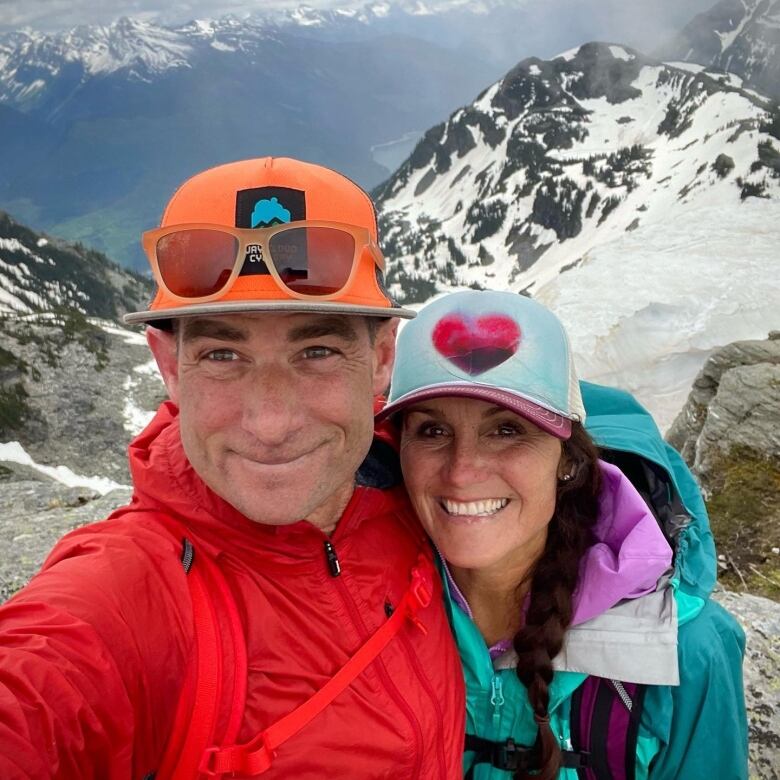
[[266, 554]]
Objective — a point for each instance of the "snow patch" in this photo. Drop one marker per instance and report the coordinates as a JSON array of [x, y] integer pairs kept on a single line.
[[13, 452], [568, 55], [691, 67], [135, 418], [728, 38], [133, 337], [14, 245], [619, 53]]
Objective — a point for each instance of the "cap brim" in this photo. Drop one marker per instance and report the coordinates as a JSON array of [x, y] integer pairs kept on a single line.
[[551, 422], [241, 307]]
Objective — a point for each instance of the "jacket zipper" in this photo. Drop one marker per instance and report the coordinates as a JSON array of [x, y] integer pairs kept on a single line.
[[384, 675], [334, 565], [496, 698]]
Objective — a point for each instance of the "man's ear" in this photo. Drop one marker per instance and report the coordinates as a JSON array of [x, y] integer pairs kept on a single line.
[[384, 354], [164, 348]]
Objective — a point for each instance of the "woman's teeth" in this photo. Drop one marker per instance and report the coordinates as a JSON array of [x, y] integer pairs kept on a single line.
[[487, 506]]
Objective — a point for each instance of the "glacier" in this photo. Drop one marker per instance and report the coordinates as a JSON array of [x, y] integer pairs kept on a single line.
[[645, 310]]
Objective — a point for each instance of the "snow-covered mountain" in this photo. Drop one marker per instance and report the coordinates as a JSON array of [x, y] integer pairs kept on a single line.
[[43, 274], [631, 195], [738, 36], [100, 124]]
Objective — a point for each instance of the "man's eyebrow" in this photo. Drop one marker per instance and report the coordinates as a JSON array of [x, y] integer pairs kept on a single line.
[[212, 329], [338, 326]]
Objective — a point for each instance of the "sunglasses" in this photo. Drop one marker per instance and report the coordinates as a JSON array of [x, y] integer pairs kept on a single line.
[[307, 259]]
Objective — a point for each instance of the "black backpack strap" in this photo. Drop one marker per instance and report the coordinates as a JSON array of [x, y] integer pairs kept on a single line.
[[506, 755], [509, 756], [604, 719]]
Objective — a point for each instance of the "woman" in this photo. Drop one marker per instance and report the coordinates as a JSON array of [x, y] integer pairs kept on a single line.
[[559, 578]]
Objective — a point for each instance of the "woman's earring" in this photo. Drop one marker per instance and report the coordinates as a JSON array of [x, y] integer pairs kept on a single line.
[[566, 477]]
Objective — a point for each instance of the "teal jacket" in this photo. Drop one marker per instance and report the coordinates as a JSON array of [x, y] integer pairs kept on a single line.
[[694, 725]]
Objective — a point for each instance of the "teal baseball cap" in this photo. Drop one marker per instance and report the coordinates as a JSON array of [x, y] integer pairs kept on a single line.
[[499, 347]]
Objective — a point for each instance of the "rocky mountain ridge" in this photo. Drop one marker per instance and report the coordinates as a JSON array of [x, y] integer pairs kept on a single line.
[[738, 36], [39, 273], [562, 155], [74, 384]]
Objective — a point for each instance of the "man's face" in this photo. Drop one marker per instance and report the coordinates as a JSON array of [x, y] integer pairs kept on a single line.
[[276, 410]]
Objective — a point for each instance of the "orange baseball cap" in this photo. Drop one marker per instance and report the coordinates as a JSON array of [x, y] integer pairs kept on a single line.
[[265, 192]]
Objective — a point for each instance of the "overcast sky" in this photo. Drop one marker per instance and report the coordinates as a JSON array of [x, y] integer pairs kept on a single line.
[[53, 15]]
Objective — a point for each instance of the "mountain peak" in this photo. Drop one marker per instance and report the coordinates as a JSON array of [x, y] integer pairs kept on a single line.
[[561, 155]]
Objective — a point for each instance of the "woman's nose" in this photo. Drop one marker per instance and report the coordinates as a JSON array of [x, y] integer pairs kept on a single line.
[[465, 464]]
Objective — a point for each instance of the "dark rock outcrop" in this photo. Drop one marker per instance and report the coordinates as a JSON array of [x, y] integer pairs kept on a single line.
[[729, 433]]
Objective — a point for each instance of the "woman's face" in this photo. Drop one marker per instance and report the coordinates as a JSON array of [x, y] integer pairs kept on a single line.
[[482, 479]]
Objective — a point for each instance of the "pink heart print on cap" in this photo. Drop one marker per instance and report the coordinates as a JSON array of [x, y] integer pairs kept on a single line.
[[476, 344]]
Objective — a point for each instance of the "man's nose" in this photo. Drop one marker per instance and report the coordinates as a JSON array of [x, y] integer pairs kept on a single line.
[[272, 407]]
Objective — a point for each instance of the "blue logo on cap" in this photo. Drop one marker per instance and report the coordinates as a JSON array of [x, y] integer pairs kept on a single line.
[[269, 212]]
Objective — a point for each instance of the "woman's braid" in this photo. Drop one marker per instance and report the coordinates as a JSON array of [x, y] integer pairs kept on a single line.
[[553, 581]]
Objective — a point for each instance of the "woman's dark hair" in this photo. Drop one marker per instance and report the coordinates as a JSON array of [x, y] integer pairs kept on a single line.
[[553, 580]]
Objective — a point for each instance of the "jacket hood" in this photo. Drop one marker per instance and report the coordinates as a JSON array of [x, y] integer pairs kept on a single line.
[[630, 554], [617, 422]]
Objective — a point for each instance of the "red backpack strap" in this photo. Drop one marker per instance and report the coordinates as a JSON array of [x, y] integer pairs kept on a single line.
[[256, 756], [197, 710]]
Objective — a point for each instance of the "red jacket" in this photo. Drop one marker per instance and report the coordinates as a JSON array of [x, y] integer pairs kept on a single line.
[[93, 651]]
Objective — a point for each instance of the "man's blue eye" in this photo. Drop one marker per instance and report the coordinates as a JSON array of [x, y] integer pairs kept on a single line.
[[221, 355], [318, 352]]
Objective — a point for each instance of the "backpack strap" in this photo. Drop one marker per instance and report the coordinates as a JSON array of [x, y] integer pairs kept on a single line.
[[509, 756], [198, 707], [256, 756], [604, 718]]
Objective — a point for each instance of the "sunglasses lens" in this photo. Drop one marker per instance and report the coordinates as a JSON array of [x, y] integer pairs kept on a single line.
[[196, 263], [313, 260]]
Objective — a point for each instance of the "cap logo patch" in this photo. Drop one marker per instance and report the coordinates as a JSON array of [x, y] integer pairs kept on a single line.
[[269, 212], [262, 207], [476, 344]]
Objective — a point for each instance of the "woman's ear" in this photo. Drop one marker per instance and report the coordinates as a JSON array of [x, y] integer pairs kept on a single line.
[[566, 466]]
